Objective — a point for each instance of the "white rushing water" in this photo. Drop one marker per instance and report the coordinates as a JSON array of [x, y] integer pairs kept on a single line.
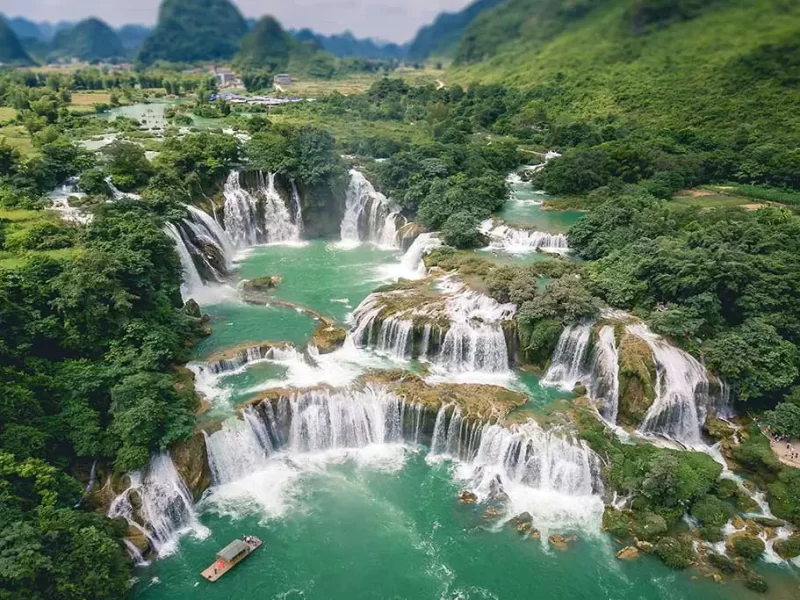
[[527, 469], [412, 265], [59, 199], [369, 215], [569, 367], [682, 391], [470, 347], [604, 383], [521, 241], [255, 458], [208, 230], [298, 209], [163, 509], [260, 216], [192, 283]]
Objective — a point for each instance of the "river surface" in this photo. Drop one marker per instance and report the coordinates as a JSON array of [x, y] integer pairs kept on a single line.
[[383, 521]]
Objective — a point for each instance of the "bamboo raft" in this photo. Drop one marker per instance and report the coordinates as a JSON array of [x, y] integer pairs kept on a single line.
[[230, 556]]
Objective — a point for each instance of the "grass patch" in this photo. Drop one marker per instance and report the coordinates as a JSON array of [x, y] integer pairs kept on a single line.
[[10, 260], [17, 136], [7, 114], [709, 198], [760, 192], [89, 98]]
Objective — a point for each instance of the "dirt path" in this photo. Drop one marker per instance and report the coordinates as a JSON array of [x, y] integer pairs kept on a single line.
[[790, 456]]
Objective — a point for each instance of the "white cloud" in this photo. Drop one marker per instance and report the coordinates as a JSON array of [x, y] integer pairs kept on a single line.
[[395, 20]]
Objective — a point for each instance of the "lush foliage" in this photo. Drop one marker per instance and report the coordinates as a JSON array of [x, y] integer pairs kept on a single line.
[[11, 50], [441, 37], [726, 277]]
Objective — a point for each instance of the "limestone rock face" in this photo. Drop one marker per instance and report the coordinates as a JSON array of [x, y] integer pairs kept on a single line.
[[522, 522], [718, 429], [192, 308], [138, 539], [191, 461], [328, 338]]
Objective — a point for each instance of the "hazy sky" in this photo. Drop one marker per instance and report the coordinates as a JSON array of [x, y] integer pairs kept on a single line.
[[395, 20]]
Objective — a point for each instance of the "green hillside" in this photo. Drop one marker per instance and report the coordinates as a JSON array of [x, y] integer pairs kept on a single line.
[[90, 40], [194, 30], [441, 37], [270, 48], [731, 66], [11, 50]]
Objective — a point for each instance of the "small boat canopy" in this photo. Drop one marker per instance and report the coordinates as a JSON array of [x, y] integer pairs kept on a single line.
[[232, 550]]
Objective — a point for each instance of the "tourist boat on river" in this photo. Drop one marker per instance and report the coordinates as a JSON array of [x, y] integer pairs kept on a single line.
[[230, 556]]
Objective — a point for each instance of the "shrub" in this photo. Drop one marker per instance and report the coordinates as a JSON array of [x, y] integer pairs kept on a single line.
[[676, 553], [711, 511], [461, 231], [746, 545]]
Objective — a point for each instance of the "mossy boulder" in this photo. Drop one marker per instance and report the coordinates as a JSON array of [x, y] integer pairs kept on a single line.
[[721, 562], [262, 284], [711, 534], [746, 545], [637, 373], [676, 552], [328, 338], [755, 582], [649, 526], [789, 548], [718, 429], [522, 522], [616, 522], [191, 462], [727, 489], [711, 511], [192, 309]]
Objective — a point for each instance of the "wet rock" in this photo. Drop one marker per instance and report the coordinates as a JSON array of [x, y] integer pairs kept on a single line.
[[645, 547], [738, 522], [262, 284], [192, 309], [628, 553], [522, 522], [328, 339], [535, 534], [768, 522], [637, 375], [467, 497], [138, 539], [497, 494], [560, 542], [491, 513]]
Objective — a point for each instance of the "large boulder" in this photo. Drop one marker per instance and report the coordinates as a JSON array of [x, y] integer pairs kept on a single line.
[[138, 539], [561, 542], [628, 553], [254, 290], [789, 548], [637, 375], [676, 552]]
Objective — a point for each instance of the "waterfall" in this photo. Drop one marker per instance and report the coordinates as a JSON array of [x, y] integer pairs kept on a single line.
[[241, 213], [237, 449], [117, 194], [311, 422], [134, 553], [682, 391], [208, 230], [475, 341], [192, 281], [258, 218], [521, 241], [568, 366], [413, 266], [163, 508], [545, 473], [246, 356], [368, 216], [604, 383], [298, 209]]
